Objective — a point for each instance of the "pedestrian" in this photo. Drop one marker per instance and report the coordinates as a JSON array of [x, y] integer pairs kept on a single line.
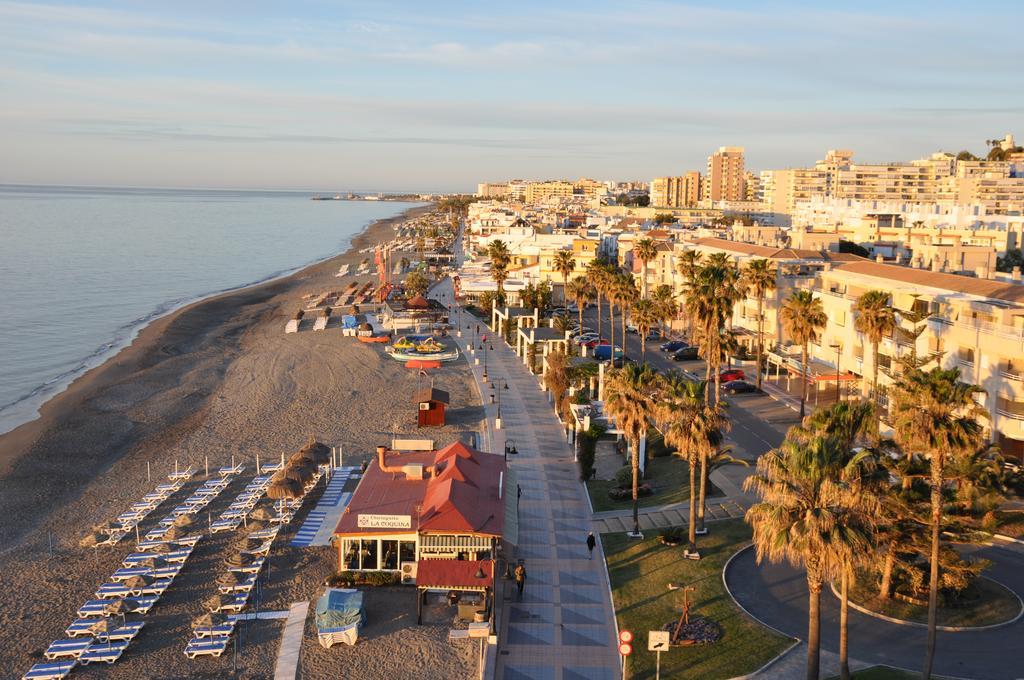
[[520, 579], [591, 542]]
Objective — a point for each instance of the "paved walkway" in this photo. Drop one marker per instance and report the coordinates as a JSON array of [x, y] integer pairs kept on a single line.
[[564, 626], [659, 517], [291, 641], [321, 520]]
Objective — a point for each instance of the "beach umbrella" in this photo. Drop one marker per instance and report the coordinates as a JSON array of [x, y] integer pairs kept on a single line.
[[138, 582], [209, 621], [261, 513], [151, 562], [215, 602], [285, 488], [237, 560], [247, 543], [279, 475], [182, 521], [103, 628], [121, 607], [300, 457], [300, 472], [230, 578]]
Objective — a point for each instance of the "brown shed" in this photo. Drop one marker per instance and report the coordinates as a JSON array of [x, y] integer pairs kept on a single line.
[[431, 403]]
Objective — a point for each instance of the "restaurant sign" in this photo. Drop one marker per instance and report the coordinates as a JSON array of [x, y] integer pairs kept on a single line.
[[385, 521]]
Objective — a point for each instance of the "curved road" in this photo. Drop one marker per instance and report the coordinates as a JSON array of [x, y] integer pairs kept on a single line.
[[777, 595]]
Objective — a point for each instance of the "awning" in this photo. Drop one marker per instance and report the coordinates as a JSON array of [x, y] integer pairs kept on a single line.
[[454, 574]]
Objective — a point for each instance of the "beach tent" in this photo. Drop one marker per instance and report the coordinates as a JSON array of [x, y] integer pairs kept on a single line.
[[339, 616], [348, 321]]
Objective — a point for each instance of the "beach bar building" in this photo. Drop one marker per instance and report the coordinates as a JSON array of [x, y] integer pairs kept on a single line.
[[414, 313], [424, 511]]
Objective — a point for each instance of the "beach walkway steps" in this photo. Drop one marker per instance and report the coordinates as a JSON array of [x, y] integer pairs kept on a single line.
[[332, 503]]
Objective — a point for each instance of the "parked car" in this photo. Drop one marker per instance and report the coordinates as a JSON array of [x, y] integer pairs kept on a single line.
[[739, 387], [684, 354], [672, 345], [603, 351], [588, 339], [594, 341], [731, 374]]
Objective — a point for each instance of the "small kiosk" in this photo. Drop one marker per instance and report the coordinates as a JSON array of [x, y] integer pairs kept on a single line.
[[431, 403]]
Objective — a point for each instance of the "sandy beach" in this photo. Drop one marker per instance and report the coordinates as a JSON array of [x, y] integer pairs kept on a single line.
[[217, 378]]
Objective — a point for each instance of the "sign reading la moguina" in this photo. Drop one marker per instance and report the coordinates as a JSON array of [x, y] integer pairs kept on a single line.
[[385, 521]]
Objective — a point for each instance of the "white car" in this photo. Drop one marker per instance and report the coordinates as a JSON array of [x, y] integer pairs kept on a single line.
[[586, 337]]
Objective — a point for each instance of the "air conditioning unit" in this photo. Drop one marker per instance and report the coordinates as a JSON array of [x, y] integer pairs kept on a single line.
[[408, 572], [424, 405]]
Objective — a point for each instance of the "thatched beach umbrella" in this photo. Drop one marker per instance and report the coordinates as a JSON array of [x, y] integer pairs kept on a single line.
[[182, 521], [285, 488], [174, 532], [92, 540], [300, 457], [138, 582], [230, 579], [237, 560], [215, 602], [120, 607], [261, 513], [247, 544], [259, 525], [301, 472], [103, 628], [209, 621]]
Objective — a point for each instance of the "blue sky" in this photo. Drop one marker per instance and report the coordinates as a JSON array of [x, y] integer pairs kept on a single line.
[[438, 96]]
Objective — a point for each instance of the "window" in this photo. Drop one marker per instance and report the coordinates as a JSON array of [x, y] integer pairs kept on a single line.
[[965, 355], [407, 551]]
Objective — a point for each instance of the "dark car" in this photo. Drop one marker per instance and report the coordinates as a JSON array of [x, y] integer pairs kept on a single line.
[[672, 345], [732, 374], [684, 354], [739, 387]]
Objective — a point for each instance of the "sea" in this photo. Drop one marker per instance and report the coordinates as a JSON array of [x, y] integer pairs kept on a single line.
[[83, 270]]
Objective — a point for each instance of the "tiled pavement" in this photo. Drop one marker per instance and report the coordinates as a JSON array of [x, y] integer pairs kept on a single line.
[[563, 628], [665, 516], [328, 509]]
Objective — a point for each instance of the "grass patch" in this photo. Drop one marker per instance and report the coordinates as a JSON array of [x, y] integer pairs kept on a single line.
[[983, 603], [669, 476], [640, 573]]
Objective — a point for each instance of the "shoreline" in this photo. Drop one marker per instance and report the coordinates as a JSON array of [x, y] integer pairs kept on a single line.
[[121, 363]]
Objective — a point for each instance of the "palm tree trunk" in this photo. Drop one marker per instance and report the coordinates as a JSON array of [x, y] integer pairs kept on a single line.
[[760, 337], [703, 490], [844, 605], [611, 327], [813, 627], [885, 590], [693, 503], [580, 310], [803, 383], [874, 388], [598, 313], [643, 348], [933, 578], [635, 461], [622, 313]]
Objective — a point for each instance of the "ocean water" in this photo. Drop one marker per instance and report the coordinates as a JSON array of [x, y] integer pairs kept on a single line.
[[83, 270]]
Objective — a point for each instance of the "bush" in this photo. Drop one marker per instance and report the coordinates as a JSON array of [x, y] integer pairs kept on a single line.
[[343, 579], [581, 398], [624, 477], [622, 493], [587, 444], [989, 522], [672, 536], [381, 578]]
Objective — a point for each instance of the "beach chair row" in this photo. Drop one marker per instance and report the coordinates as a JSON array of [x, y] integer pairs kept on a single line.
[[242, 505], [191, 505], [138, 511]]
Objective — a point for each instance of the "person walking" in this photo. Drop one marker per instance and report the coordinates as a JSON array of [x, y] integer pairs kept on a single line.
[[520, 579], [591, 543]]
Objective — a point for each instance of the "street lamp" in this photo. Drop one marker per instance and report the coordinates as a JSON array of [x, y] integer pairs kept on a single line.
[[838, 348]]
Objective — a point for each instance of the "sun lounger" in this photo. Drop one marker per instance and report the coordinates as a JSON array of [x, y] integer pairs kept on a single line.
[[237, 604], [67, 648], [213, 646], [99, 607], [120, 590], [228, 470], [181, 474], [272, 467], [179, 555], [107, 652], [223, 630], [225, 525], [183, 541], [80, 627], [50, 671], [241, 586], [260, 550], [128, 631]]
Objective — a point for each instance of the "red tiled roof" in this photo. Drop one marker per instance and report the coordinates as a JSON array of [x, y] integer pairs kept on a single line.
[[386, 493], [453, 574], [462, 496]]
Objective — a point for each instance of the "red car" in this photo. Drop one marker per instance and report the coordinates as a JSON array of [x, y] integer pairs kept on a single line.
[[591, 344], [732, 374]]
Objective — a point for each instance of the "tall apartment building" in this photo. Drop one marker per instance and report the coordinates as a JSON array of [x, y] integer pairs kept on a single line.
[[590, 188], [538, 191], [492, 189], [725, 178], [683, 191], [751, 187]]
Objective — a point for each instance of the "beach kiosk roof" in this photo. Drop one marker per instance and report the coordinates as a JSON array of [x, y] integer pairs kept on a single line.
[[454, 574], [417, 302], [431, 394]]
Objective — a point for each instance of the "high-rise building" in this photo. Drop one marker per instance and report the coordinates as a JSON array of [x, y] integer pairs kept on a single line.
[[491, 189], [538, 191], [725, 178], [676, 192]]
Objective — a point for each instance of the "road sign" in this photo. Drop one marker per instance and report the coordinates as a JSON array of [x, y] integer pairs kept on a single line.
[[625, 649], [625, 636], [658, 641]]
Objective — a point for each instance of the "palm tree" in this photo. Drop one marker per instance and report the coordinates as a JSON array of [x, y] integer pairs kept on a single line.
[[688, 263], [760, 276], [682, 412], [876, 320], [598, 275], [500, 259], [850, 424], [935, 413], [710, 295], [626, 294], [809, 515], [564, 264], [802, 316], [629, 399], [580, 290], [646, 250], [665, 301], [644, 315]]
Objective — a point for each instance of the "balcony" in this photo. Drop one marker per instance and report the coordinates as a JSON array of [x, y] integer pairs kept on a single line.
[[1012, 375], [986, 327]]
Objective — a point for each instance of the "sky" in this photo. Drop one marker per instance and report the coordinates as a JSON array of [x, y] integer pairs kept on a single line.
[[418, 96]]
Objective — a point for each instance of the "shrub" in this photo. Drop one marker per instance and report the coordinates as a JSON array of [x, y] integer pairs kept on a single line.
[[624, 477], [381, 578], [581, 398], [343, 579], [989, 522], [672, 536]]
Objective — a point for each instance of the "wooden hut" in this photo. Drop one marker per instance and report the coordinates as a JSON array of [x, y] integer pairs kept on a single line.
[[431, 403]]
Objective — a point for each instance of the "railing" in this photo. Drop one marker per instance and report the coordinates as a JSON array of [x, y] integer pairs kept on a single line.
[[1009, 414], [1011, 375], [987, 327]]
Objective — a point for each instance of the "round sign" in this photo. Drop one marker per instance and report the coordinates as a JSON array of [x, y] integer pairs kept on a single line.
[[625, 649], [625, 636]]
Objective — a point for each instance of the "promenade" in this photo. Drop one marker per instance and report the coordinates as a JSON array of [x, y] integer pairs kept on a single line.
[[563, 628]]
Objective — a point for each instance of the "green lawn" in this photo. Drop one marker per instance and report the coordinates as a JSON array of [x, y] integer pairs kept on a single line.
[[669, 476], [640, 573]]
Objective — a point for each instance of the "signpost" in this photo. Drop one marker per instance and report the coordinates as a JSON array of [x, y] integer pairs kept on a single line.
[[658, 642], [625, 648]]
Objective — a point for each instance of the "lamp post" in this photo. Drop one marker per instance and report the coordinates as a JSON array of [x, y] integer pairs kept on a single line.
[[484, 350], [838, 348]]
